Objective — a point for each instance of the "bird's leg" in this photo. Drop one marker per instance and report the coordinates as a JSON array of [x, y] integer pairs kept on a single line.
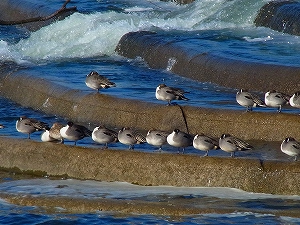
[[206, 154], [232, 154], [159, 149], [249, 109], [279, 109]]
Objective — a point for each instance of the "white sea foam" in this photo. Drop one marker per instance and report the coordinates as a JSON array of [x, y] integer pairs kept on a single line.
[[97, 34], [7, 54], [258, 39], [90, 35], [77, 188]]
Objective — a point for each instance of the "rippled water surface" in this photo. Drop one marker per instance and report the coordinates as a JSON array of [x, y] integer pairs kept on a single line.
[[66, 51], [246, 207]]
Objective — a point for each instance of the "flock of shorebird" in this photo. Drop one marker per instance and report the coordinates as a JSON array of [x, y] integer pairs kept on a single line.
[[128, 136]]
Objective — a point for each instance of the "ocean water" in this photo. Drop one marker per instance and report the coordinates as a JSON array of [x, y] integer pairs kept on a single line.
[[66, 51]]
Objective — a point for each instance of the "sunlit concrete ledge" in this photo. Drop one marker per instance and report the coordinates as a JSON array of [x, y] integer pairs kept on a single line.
[[94, 108], [54, 159]]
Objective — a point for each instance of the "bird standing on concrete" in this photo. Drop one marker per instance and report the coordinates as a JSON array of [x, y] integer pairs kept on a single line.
[[248, 100], [103, 135], [180, 139], [290, 147], [295, 100], [157, 138], [96, 81], [128, 136], [276, 99], [205, 143], [29, 125], [232, 144], [165, 93], [74, 132]]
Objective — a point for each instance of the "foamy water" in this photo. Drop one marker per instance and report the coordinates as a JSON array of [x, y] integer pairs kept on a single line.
[[97, 34]]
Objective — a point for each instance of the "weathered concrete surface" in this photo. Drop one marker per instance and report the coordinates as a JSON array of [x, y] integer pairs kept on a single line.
[[150, 168], [17, 10], [206, 67], [283, 16], [175, 209], [115, 112]]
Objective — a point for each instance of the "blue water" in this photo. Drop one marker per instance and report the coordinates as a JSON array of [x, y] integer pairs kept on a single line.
[[66, 51]]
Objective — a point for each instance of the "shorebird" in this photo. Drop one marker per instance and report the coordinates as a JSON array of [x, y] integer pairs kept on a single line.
[[157, 138], [205, 143], [28, 125], [180, 139], [45, 136], [232, 144], [248, 100], [103, 135], [74, 132], [165, 93], [54, 131], [290, 147], [96, 81], [276, 99], [295, 100], [128, 136]]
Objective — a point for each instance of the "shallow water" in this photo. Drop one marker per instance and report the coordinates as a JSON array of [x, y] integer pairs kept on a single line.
[[66, 51], [247, 208]]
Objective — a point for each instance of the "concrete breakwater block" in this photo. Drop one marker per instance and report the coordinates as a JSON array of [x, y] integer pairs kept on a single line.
[[203, 66], [98, 108], [140, 168], [283, 16], [18, 10]]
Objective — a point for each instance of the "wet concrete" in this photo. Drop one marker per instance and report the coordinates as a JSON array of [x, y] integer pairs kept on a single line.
[[283, 16], [52, 159], [206, 67], [17, 10], [175, 208], [98, 108]]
